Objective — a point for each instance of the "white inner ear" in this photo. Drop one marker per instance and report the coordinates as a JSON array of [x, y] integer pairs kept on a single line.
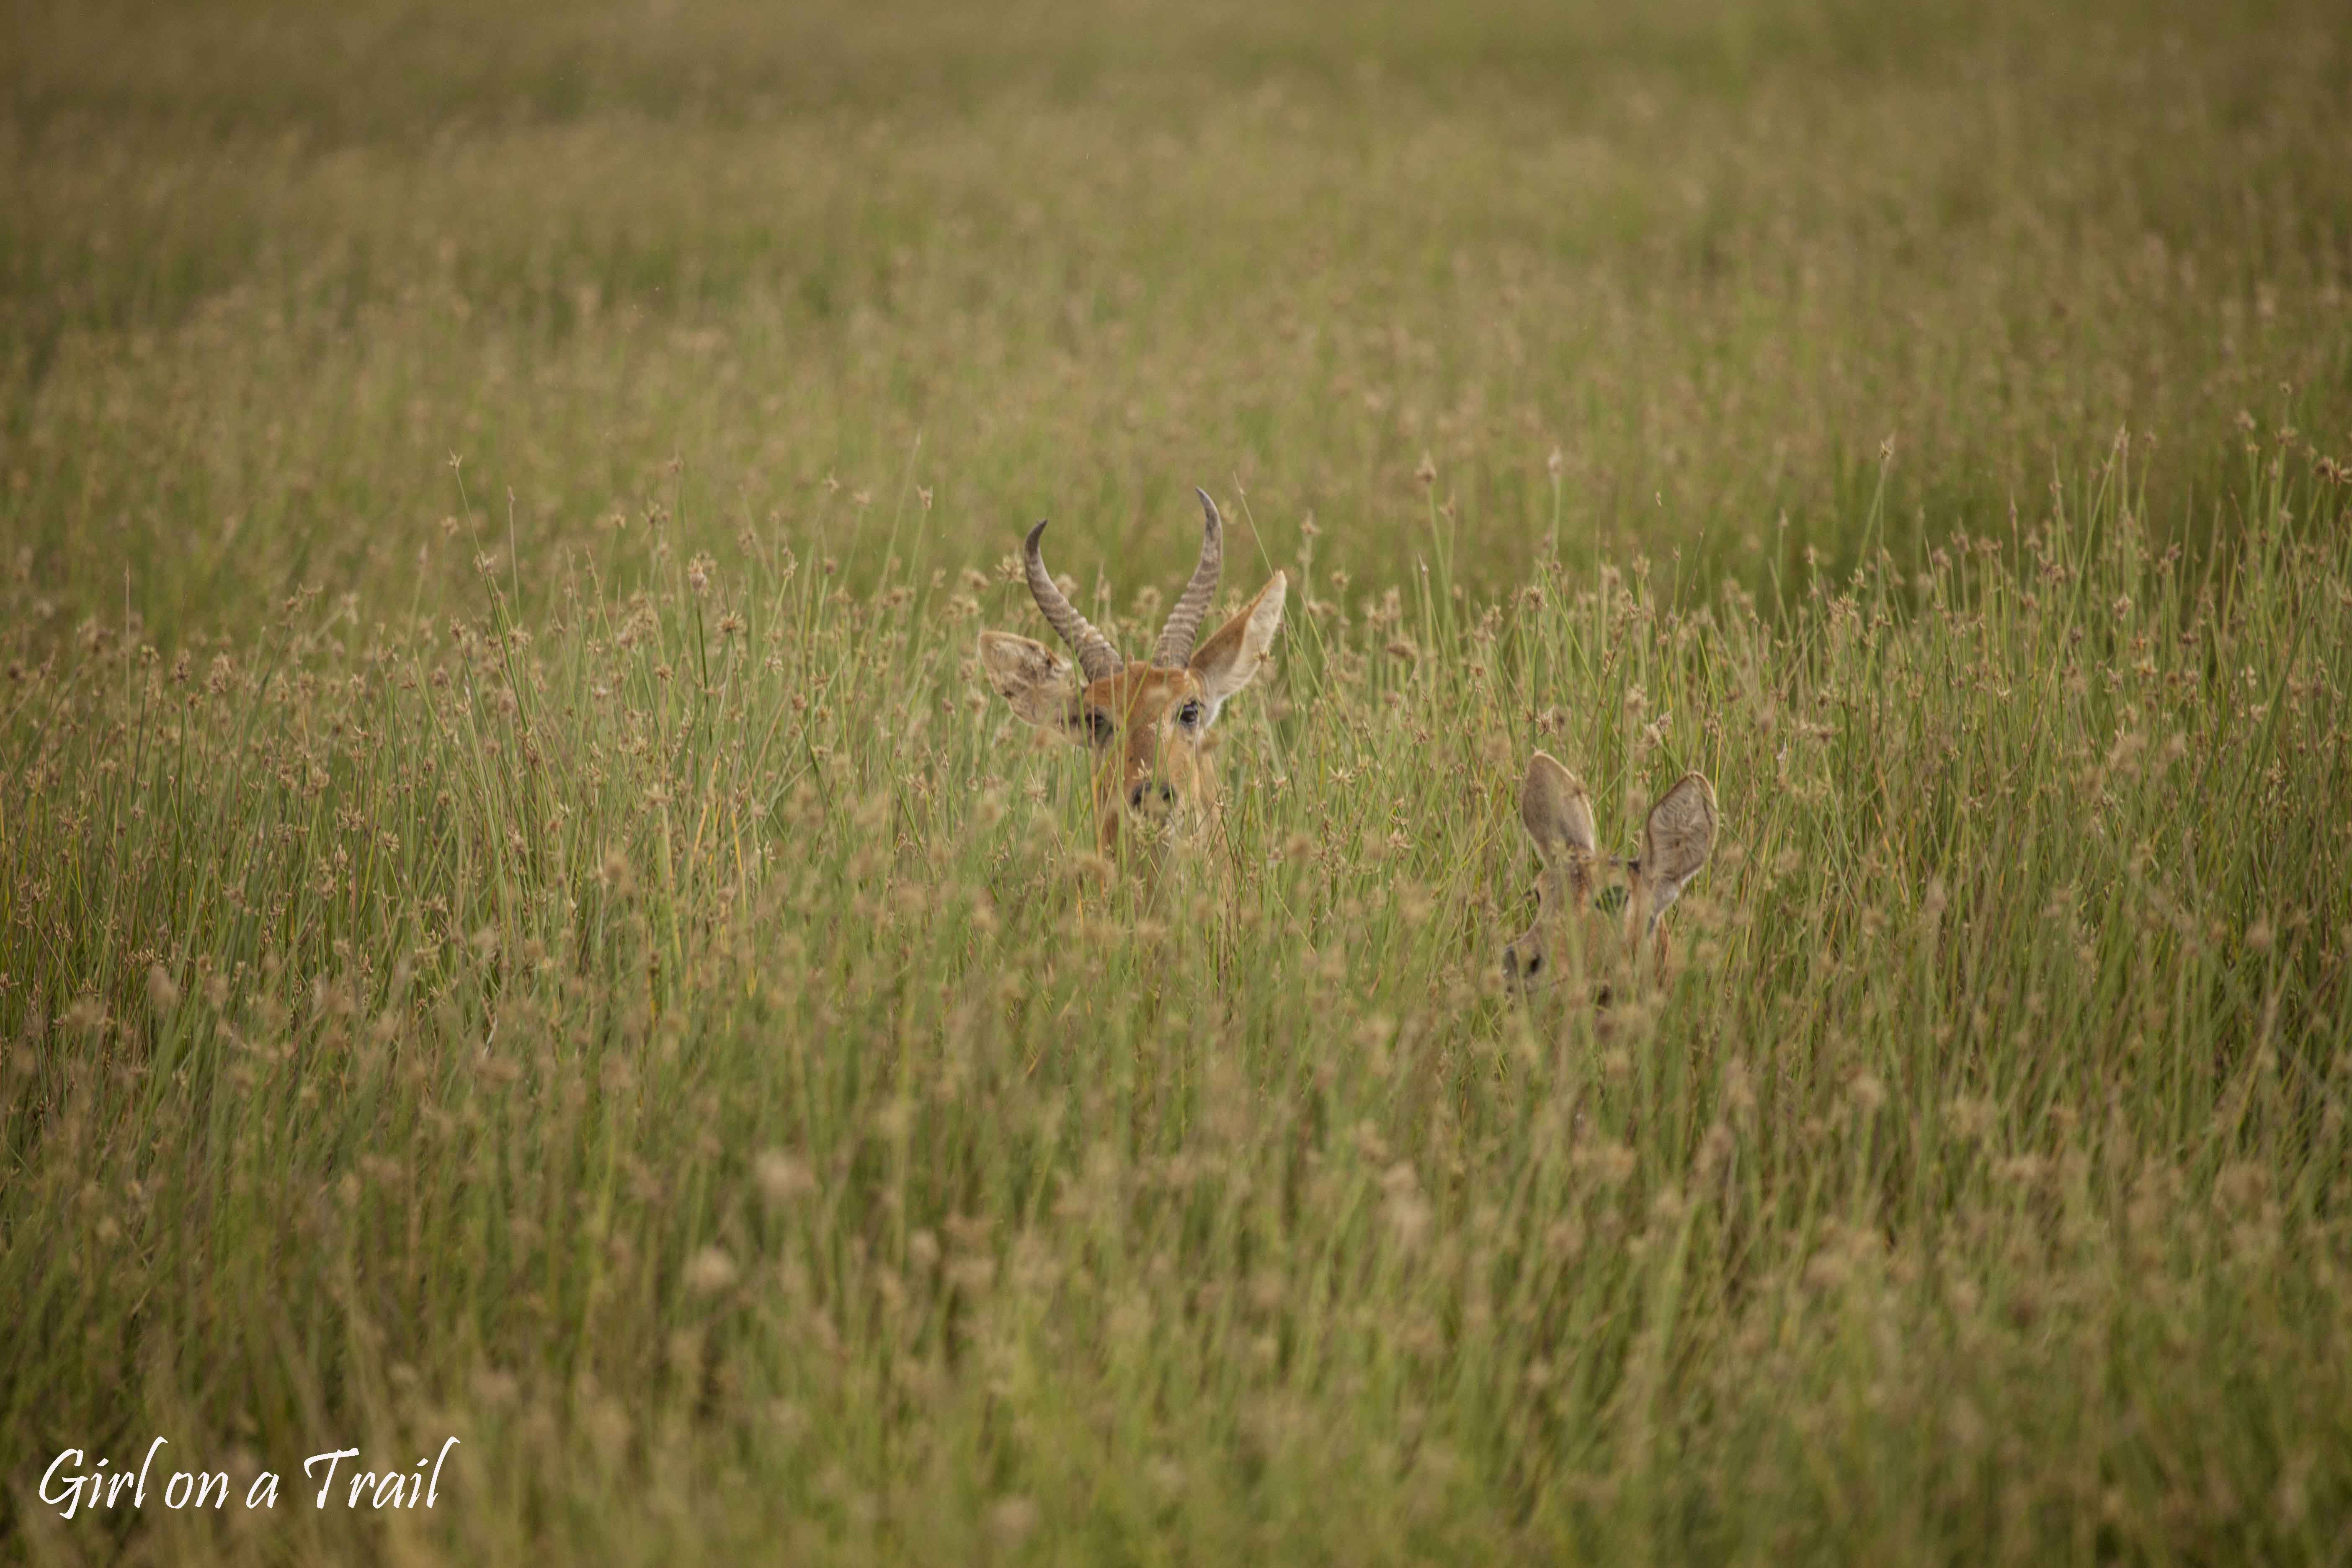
[[1033, 679], [1677, 841], [1226, 676]]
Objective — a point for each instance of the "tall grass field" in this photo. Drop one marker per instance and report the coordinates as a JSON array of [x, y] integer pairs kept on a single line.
[[521, 923]]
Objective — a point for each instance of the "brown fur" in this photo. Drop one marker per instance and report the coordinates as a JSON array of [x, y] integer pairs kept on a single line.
[[1570, 936], [1151, 772]]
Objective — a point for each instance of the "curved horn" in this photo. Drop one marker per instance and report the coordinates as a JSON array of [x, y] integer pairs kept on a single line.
[[1095, 656], [1185, 621]]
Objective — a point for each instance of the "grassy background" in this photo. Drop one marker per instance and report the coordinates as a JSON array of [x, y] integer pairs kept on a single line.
[[555, 947], [265, 268]]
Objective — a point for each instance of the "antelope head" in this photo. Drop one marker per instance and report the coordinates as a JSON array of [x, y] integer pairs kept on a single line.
[[1579, 883], [1144, 725]]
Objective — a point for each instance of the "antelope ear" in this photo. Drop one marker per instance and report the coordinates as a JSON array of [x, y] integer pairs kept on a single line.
[[1676, 840], [1035, 681], [1557, 812], [1226, 661]]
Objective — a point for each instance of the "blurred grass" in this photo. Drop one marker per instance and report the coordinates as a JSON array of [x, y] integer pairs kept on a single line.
[[458, 977], [391, 71], [262, 278]]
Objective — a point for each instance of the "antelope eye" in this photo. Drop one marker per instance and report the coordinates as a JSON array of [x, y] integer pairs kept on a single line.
[[1188, 715], [1099, 726]]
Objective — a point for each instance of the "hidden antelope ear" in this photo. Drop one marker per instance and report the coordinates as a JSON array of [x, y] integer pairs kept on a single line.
[[1557, 812], [1036, 682], [1227, 660], [1676, 840]]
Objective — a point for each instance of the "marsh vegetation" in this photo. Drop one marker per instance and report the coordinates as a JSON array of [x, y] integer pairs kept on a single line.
[[520, 918]]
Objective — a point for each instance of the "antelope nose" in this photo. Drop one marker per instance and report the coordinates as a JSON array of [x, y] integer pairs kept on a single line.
[[1147, 790]]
